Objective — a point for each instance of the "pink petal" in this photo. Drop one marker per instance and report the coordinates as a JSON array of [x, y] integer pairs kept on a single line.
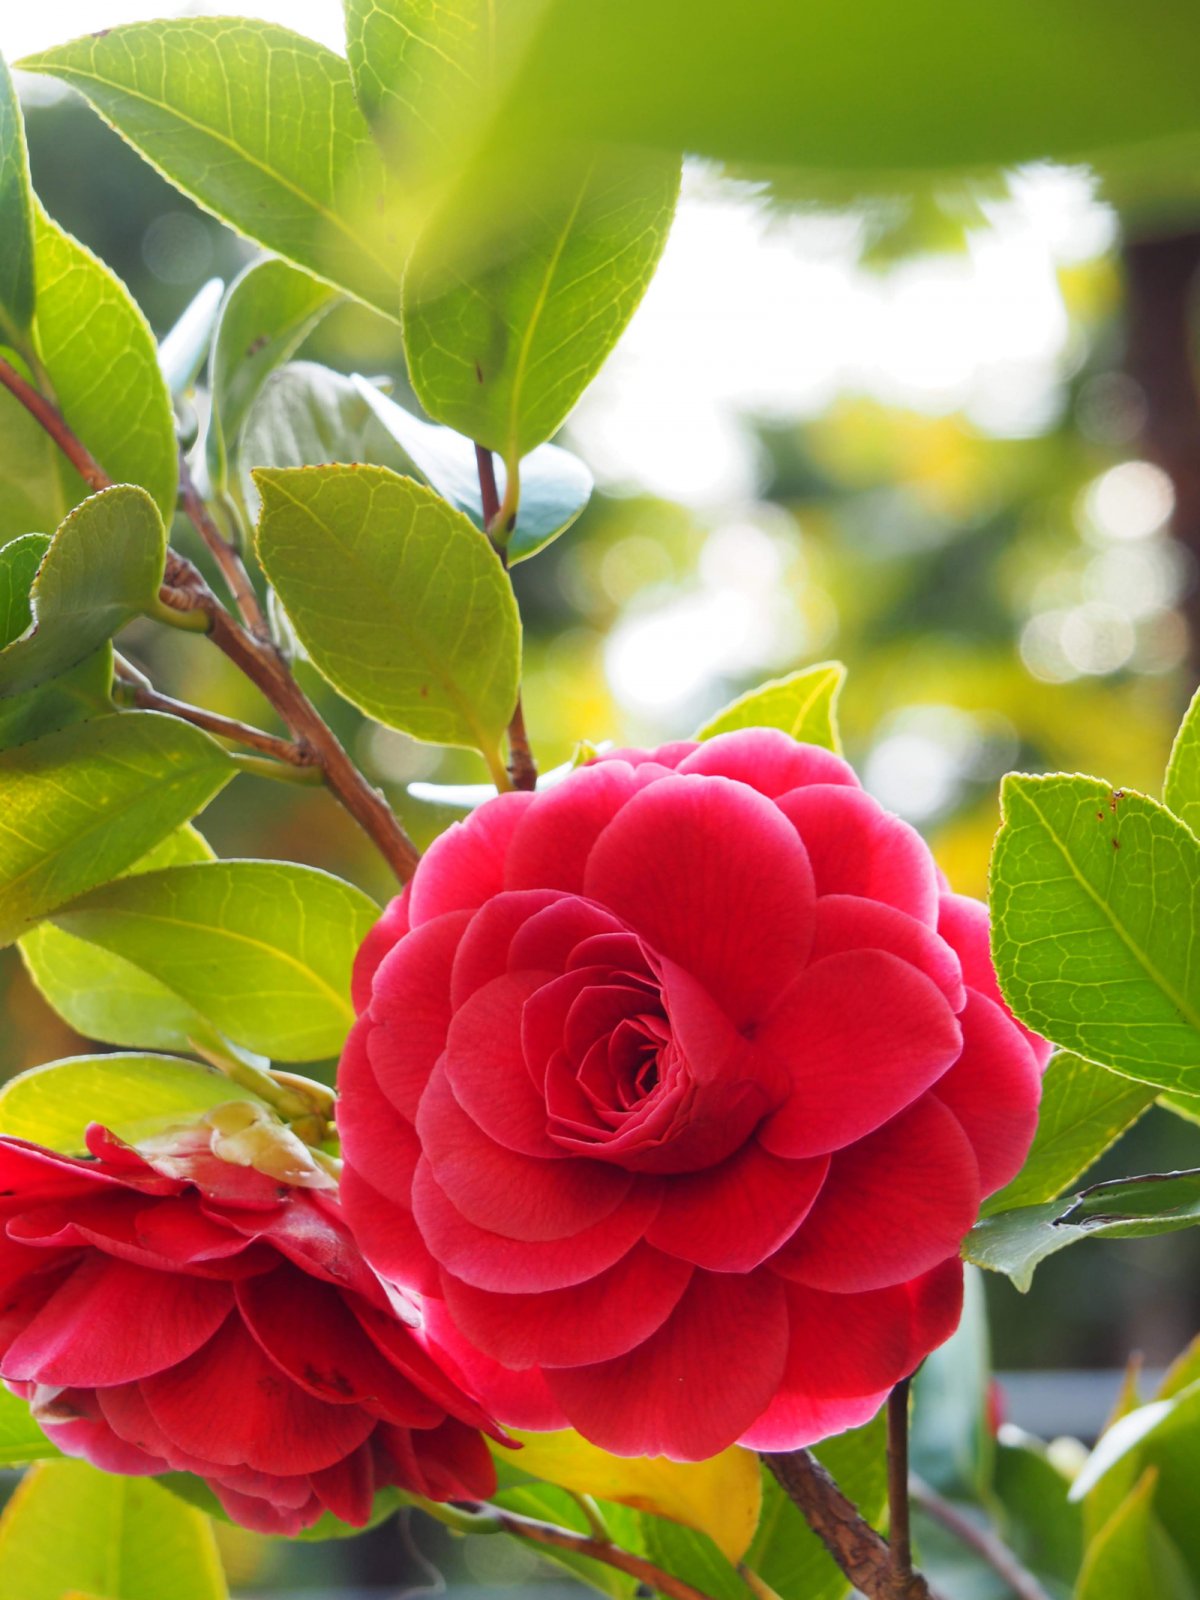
[[376, 1139], [29, 1174], [388, 1235], [731, 1217], [865, 1035], [769, 760], [492, 1261], [668, 756], [484, 1065], [993, 1089], [519, 1399], [410, 1010], [516, 1195], [554, 938], [712, 877], [550, 847], [848, 922], [230, 1405], [696, 1385], [464, 866], [96, 1442], [310, 1229], [483, 952], [894, 1205], [261, 1515], [795, 1419], [963, 923], [856, 847], [112, 1321], [389, 930], [594, 1321]]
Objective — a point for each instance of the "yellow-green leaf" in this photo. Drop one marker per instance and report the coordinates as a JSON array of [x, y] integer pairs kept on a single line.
[[804, 705]]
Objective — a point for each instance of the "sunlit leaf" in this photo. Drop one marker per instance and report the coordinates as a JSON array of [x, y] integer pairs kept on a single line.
[[183, 349], [81, 805], [416, 62], [257, 124], [1089, 887], [16, 220], [1134, 1555], [804, 705], [399, 600], [21, 1439], [261, 949], [1181, 791], [69, 1527]]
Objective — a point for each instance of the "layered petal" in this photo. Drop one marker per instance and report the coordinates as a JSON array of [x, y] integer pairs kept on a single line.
[[856, 847]]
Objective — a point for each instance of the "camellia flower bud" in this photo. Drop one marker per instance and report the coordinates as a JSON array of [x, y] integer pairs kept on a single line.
[[198, 1304]]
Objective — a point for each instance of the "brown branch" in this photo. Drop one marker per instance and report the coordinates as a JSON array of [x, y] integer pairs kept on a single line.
[[232, 567], [982, 1540], [146, 698], [859, 1551], [184, 590], [522, 768], [582, 1544], [899, 1532]]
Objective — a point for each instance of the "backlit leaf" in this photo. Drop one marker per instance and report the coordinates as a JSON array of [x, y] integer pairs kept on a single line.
[[804, 705], [1181, 791], [16, 220]]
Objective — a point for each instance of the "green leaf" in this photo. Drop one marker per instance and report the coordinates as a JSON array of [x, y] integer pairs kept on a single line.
[[415, 62], [136, 1096], [1134, 1555], [804, 705], [547, 1503], [103, 567], [17, 290], [257, 124], [21, 1439], [183, 349], [1084, 1109], [502, 350], [69, 1527], [261, 949], [268, 313], [399, 600], [786, 1553], [1039, 1523], [81, 805], [1090, 889], [951, 1441], [88, 324], [691, 1555], [555, 485], [1181, 791]]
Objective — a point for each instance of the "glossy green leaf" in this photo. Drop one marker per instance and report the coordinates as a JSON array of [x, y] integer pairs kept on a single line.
[[259, 125], [17, 288], [261, 949], [268, 313], [1089, 888], [399, 600], [1084, 1109], [951, 1443], [103, 567], [691, 1555], [502, 350], [416, 62], [87, 323], [804, 705], [786, 1553], [1134, 1555], [81, 805], [69, 1527], [183, 349], [1181, 791], [555, 485], [1038, 1522], [136, 1096], [21, 1440], [547, 1503]]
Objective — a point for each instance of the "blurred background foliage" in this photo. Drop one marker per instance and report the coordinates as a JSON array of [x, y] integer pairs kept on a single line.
[[917, 436]]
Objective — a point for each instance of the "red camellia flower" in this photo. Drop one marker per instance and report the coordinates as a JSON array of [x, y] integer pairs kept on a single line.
[[172, 1311], [679, 1085]]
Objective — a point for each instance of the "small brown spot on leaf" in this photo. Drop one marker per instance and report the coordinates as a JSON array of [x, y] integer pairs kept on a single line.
[[478, 373], [256, 345]]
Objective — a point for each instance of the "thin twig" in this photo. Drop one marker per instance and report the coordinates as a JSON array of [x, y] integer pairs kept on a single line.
[[982, 1540], [232, 567], [859, 1551], [899, 1534], [146, 698], [185, 591], [522, 768]]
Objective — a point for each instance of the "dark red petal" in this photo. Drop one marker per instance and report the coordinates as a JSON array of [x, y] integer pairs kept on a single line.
[[711, 875], [96, 1442], [455, 1462], [388, 1235], [229, 1404], [550, 847], [261, 1515], [391, 927], [111, 1322], [769, 760], [410, 1010], [856, 847], [464, 866], [376, 1139], [894, 1205], [310, 1229], [307, 1329], [485, 1066], [848, 922], [493, 1261], [516, 1195], [347, 1488], [963, 923], [415, 1353], [864, 1035], [731, 1217], [593, 1321], [695, 1386], [29, 1174], [993, 1089]]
